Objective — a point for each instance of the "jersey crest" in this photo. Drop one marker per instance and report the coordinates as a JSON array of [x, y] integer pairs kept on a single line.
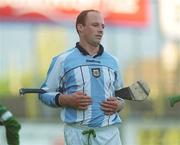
[[96, 72]]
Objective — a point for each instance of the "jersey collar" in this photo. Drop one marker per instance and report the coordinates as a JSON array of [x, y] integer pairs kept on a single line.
[[84, 52]]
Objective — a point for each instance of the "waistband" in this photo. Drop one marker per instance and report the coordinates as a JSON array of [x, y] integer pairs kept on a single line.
[[84, 127]]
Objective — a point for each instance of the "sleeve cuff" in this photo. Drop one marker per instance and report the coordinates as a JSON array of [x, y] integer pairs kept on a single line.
[[57, 99]]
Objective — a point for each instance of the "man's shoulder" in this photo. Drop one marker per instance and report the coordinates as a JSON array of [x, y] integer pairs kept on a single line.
[[110, 56], [65, 54], [111, 60]]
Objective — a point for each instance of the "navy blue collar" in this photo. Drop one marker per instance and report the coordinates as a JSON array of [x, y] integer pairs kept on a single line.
[[84, 52]]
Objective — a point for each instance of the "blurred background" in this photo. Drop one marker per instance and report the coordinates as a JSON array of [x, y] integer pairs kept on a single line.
[[143, 34]]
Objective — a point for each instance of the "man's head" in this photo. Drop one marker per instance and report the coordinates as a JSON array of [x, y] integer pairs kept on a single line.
[[90, 26], [81, 18]]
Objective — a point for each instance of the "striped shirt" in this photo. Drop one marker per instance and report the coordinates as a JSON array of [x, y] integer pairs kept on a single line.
[[75, 70]]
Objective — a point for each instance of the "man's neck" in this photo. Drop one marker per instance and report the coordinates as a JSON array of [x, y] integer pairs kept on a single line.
[[92, 50]]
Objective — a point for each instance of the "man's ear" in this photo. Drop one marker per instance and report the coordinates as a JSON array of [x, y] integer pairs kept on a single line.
[[80, 28]]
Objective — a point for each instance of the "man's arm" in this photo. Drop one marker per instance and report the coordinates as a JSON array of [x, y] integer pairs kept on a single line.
[[51, 84]]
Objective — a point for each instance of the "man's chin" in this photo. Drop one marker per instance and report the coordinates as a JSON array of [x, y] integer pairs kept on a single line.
[[98, 42]]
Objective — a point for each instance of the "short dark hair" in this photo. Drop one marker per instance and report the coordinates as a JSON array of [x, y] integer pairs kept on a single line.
[[82, 17]]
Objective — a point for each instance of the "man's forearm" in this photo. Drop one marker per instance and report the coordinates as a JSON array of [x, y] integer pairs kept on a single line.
[[64, 100]]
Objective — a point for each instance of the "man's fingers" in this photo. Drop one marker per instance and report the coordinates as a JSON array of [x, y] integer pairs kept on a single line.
[[108, 111], [109, 104], [81, 100], [82, 107], [84, 101], [82, 97]]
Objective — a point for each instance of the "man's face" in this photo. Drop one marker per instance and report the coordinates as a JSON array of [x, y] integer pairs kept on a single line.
[[92, 31]]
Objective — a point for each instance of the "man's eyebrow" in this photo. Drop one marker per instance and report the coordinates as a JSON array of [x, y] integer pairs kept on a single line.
[[98, 23]]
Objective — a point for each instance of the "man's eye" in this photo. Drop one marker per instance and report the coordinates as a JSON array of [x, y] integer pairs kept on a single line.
[[98, 25], [95, 25]]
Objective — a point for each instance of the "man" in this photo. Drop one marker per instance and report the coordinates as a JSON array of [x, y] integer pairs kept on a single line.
[[83, 81], [11, 125]]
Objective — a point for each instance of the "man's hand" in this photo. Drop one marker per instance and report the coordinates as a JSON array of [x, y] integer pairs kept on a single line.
[[112, 105], [77, 100]]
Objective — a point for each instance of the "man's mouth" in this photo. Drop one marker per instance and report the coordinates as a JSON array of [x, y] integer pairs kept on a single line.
[[99, 36]]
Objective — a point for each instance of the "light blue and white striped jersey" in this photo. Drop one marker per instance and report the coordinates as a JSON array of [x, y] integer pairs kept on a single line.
[[97, 76]]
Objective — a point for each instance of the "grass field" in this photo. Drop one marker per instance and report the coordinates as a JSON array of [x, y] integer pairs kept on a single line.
[[133, 132], [36, 133]]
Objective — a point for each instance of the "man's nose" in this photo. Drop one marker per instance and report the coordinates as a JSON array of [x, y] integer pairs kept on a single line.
[[101, 30]]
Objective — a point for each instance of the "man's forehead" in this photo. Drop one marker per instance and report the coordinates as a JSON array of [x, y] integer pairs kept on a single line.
[[94, 16]]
